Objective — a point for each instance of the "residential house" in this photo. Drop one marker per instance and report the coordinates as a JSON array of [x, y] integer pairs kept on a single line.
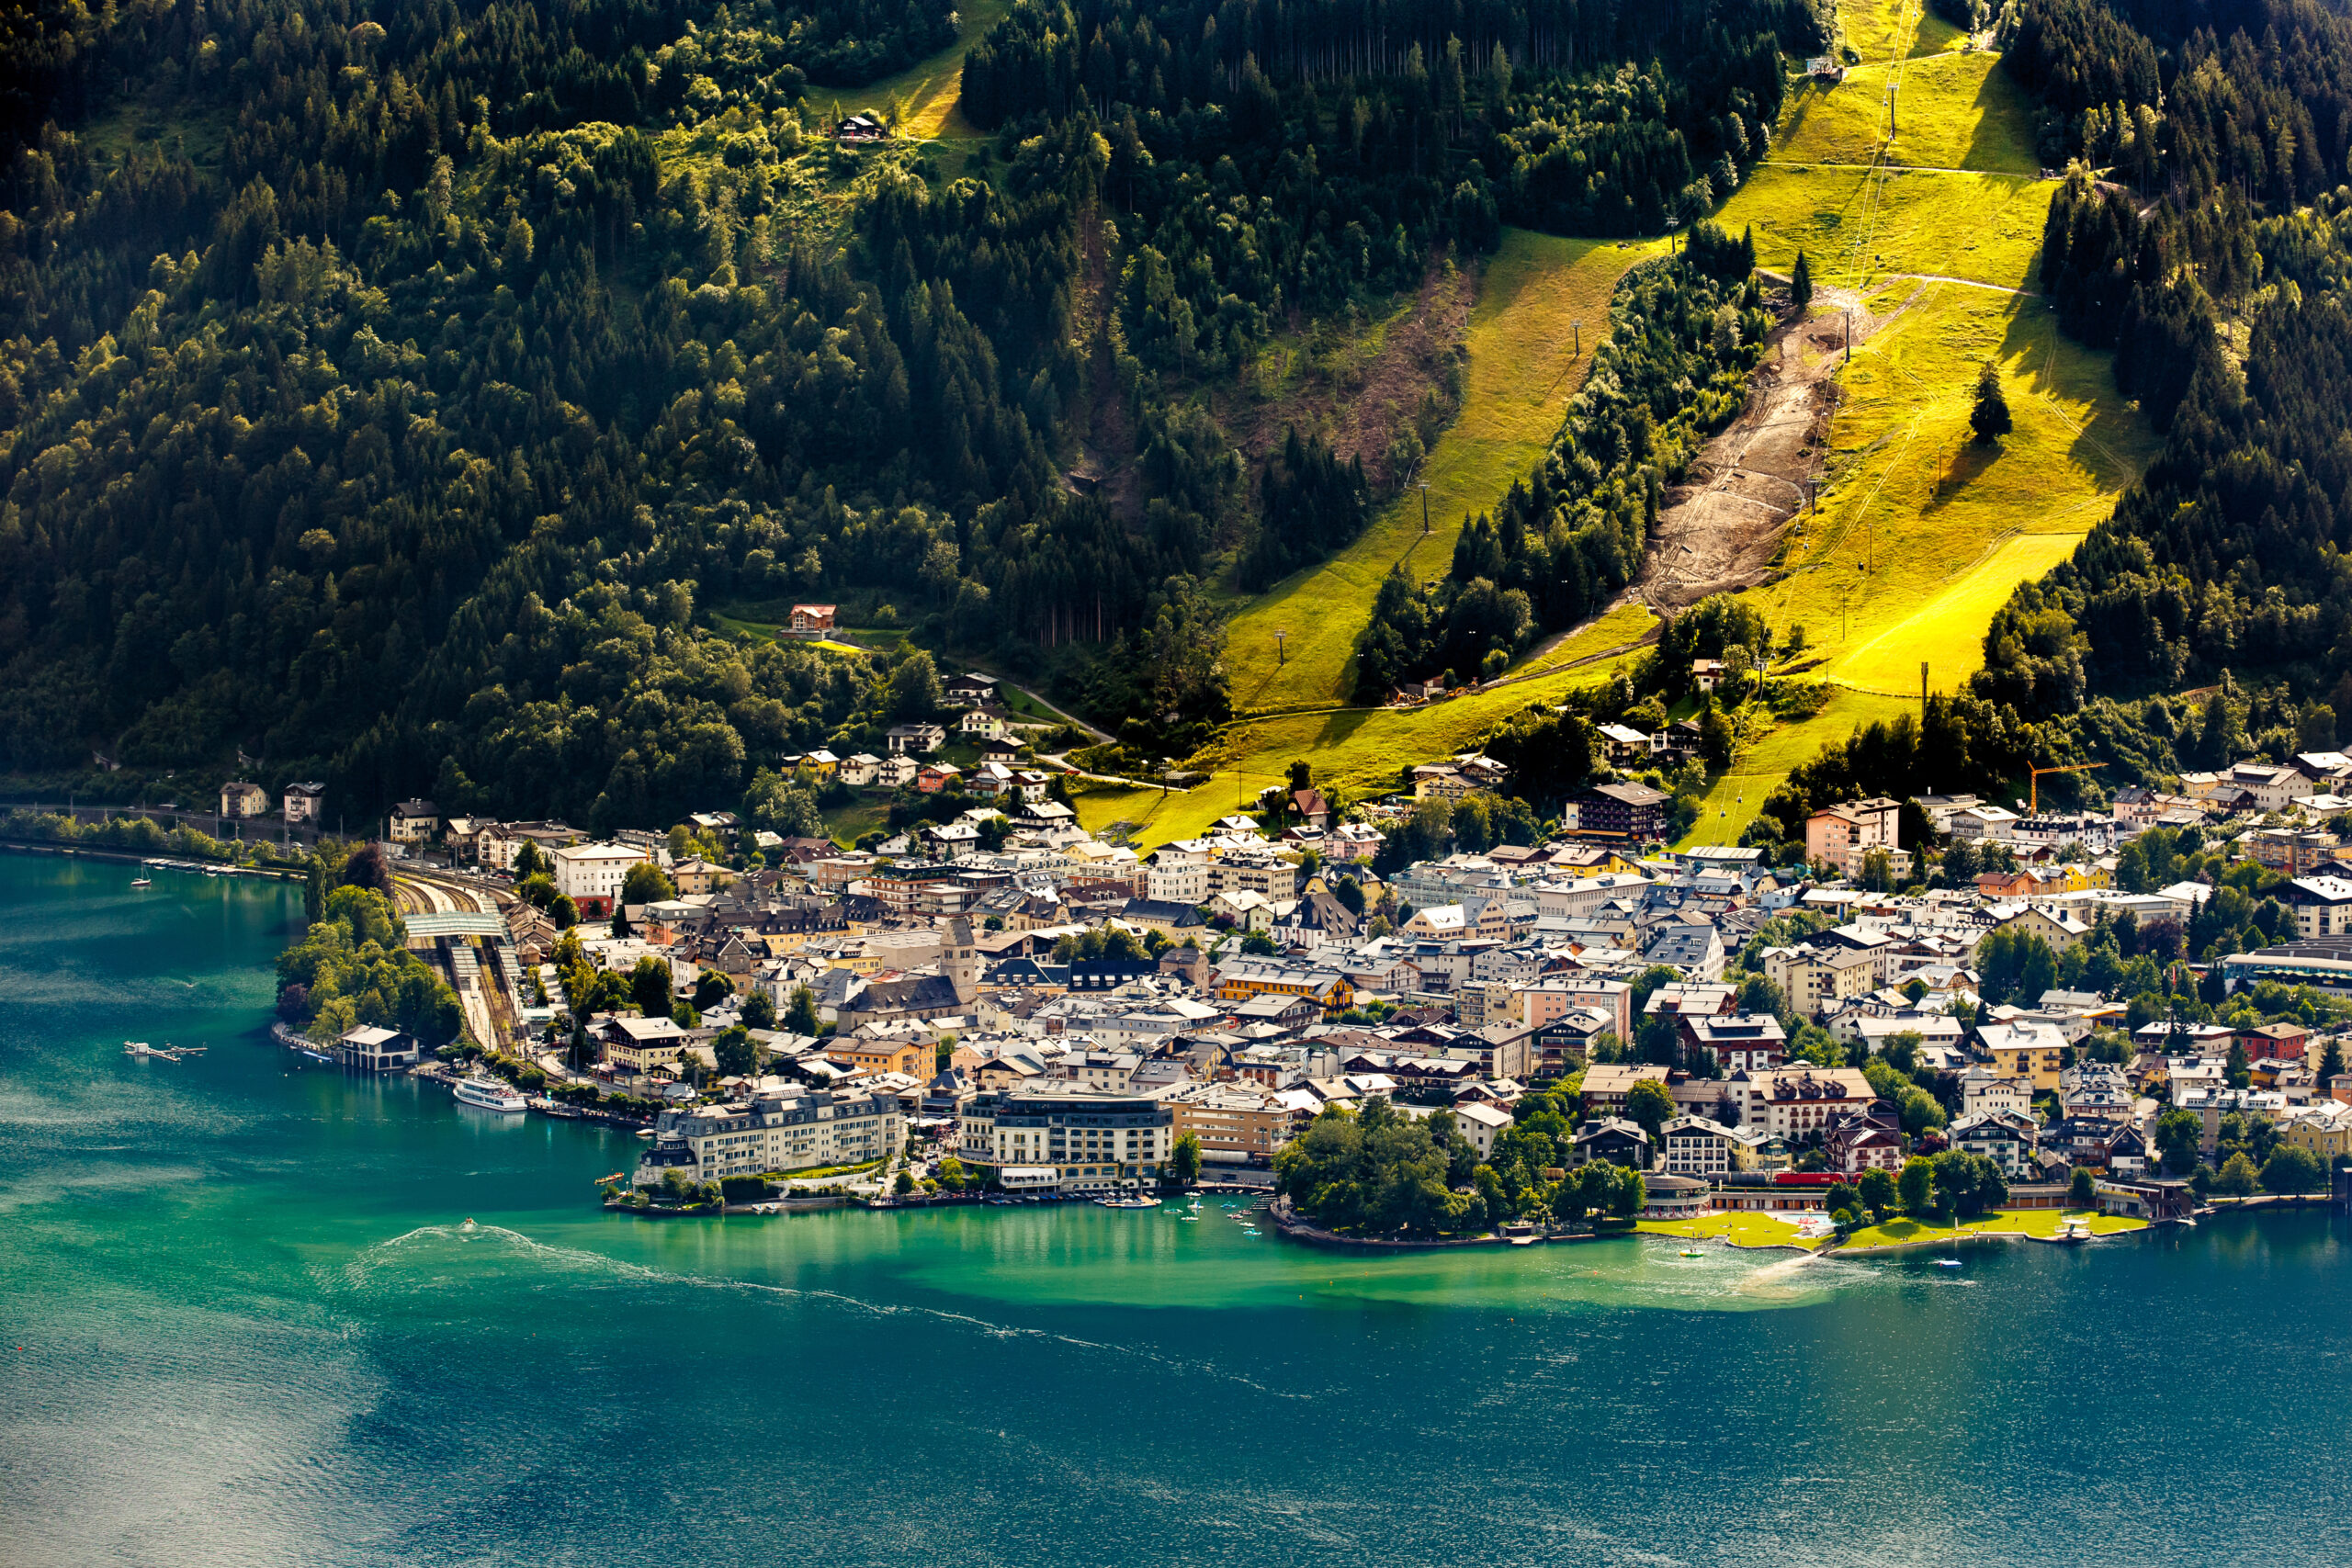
[[1983, 1090], [812, 620], [916, 739], [1235, 1124], [1982, 823], [1171, 920], [2322, 905], [2003, 1137], [2033, 1052], [240, 798], [1623, 744], [1694, 949], [1867, 1139], [981, 724], [415, 822], [1607, 1084], [1752, 1043], [1812, 978], [305, 802], [1614, 1139]]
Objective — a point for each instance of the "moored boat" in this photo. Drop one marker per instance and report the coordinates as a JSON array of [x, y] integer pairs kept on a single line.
[[488, 1094]]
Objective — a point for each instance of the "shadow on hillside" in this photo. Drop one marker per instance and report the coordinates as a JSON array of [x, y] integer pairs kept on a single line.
[[2112, 441], [1962, 469], [2002, 142]]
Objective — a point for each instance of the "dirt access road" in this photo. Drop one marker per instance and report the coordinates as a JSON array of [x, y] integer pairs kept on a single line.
[[1722, 527]]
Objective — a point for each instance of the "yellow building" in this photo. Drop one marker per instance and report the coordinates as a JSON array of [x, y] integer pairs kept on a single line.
[[2326, 1131], [913, 1058], [641, 1044], [1241, 979], [2027, 1050]]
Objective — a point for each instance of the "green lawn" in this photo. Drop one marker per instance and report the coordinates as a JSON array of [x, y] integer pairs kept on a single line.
[[867, 814], [1740, 1229], [2041, 1222], [1362, 750]]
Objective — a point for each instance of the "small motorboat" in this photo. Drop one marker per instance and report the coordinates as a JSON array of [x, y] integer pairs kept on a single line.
[[1692, 1252], [1137, 1202], [142, 882], [1947, 1262]]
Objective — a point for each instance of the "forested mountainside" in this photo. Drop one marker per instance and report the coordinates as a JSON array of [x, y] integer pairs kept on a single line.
[[2204, 231], [1683, 336], [393, 388]]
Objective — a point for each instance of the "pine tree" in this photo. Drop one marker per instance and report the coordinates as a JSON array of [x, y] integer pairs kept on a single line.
[[1801, 285], [1990, 418]]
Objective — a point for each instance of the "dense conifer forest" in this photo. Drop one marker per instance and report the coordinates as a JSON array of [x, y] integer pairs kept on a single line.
[[398, 391]]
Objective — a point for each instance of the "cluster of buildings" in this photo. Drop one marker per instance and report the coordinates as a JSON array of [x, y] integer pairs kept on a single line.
[[1057, 1011]]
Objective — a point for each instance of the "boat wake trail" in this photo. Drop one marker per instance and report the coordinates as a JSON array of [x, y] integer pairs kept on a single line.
[[440, 1250]]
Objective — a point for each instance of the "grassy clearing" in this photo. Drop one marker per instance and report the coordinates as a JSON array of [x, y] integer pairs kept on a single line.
[[1738, 795], [1625, 624], [2041, 1222], [929, 92], [1361, 750], [1859, 225], [1894, 30], [1945, 527], [1922, 532], [1524, 365], [1953, 111], [1740, 1229]]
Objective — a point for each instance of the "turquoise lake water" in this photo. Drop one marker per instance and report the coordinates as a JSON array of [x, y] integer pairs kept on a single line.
[[244, 1324]]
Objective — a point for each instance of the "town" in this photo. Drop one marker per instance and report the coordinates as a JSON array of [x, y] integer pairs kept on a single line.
[[2133, 1012]]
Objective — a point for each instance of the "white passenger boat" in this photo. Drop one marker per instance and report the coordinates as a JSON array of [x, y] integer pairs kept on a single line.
[[488, 1094]]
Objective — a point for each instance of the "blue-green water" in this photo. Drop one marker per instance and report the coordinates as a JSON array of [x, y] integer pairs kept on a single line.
[[243, 1326]]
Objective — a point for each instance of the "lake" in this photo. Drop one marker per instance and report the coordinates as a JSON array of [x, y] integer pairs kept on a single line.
[[247, 1323]]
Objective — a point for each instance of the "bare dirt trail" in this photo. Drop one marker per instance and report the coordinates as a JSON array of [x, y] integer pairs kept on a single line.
[[1722, 527]]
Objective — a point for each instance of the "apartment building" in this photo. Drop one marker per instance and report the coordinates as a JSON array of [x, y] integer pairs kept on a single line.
[[1086, 1138], [1234, 1125], [591, 876], [780, 1130]]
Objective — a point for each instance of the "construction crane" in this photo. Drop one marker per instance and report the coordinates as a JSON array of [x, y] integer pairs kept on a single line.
[[2035, 810]]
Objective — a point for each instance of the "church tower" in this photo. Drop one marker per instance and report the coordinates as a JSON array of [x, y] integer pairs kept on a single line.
[[960, 962]]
